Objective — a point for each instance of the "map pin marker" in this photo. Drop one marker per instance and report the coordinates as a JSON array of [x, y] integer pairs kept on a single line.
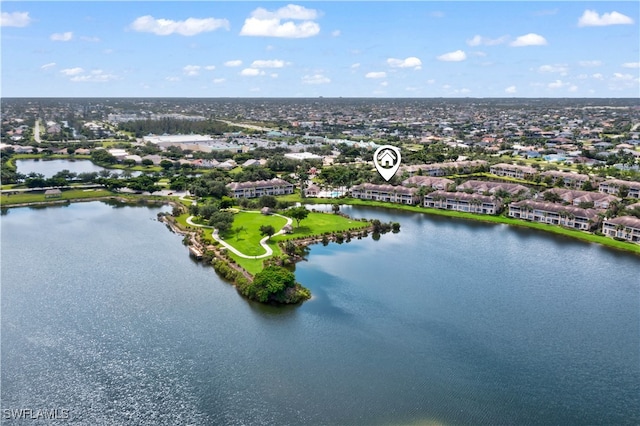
[[387, 161]]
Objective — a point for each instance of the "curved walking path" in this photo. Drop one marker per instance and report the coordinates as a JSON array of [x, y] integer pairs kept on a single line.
[[263, 242]]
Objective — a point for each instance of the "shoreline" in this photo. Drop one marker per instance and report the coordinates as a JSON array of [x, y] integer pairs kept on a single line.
[[497, 219]]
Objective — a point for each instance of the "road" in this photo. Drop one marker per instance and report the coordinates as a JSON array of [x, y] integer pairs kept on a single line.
[[248, 126], [36, 131]]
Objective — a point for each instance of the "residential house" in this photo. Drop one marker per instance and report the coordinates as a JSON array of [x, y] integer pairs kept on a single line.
[[312, 191], [569, 180], [259, 188], [443, 169], [554, 214], [482, 187], [600, 200], [625, 227], [513, 171], [463, 202], [52, 193], [613, 186], [389, 193], [433, 182]]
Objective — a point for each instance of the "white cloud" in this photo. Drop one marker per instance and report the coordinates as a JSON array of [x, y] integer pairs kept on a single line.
[[631, 65], [456, 56], [431, 81], [436, 14], [95, 76], [355, 66], [188, 27], [561, 69], [590, 64], [376, 74], [479, 53], [270, 63], [446, 86], [15, 19], [219, 80], [464, 91], [191, 70], [556, 84], [251, 72], [623, 77], [273, 75], [530, 39], [210, 67], [335, 33], [47, 66], [233, 63], [384, 84], [478, 40], [573, 88], [90, 39], [172, 79], [270, 24], [597, 76], [72, 71], [410, 62], [591, 18], [61, 36], [510, 90], [316, 79]]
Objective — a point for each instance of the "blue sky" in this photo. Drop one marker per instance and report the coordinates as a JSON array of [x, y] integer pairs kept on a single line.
[[310, 49]]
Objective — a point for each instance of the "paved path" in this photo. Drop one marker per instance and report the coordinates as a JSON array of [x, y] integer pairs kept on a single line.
[[263, 242]]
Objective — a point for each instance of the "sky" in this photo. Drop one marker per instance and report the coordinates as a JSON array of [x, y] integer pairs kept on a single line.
[[310, 49]]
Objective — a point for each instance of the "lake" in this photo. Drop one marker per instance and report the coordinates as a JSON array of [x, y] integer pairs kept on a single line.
[[446, 322], [50, 167]]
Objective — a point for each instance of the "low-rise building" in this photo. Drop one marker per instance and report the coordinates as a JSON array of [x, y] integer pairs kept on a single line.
[[513, 171], [625, 227], [388, 193], [444, 169], [429, 181], [613, 186], [259, 188], [576, 197], [554, 214], [569, 180], [463, 202], [482, 187]]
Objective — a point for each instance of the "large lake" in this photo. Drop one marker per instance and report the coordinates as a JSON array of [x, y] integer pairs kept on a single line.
[[50, 167], [446, 322]]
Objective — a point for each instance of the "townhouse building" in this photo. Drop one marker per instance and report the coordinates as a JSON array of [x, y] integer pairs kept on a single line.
[[259, 188], [625, 227], [388, 193], [513, 171], [568, 179], [554, 214], [613, 186], [463, 202]]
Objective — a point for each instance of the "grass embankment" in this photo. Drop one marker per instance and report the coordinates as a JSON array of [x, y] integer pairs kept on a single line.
[[554, 229], [71, 194]]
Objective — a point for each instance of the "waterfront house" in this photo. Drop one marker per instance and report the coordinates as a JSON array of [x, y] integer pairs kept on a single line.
[[259, 188], [463, 202], [388, 193], [569, 180], [613, 186], [625, 227], [554, 214], [312, 191], [513, 171]]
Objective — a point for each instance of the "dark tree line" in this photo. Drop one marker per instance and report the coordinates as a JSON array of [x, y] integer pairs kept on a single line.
[[174, 126]]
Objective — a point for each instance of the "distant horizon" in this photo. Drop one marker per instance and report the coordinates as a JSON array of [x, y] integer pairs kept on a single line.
[[379, 49]]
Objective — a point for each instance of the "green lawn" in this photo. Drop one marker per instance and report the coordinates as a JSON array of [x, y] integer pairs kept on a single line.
[[247, 239], [319, 223], [72, 194]]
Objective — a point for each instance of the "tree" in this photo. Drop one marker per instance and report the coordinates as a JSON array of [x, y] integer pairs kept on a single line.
[[551, 197], [271, 283], [267, 230], [335, 207], [299, 214], [222, 221], [226, 202], [166, 164], [268, 201], [147, 162]]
